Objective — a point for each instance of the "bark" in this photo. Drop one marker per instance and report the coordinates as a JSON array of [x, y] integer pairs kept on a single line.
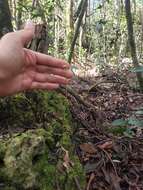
[[40, 41], [79, 22], [5, 18], [57, 30], [19, 14], [77, 13], [141, 20], [132, 42], [69, 22]]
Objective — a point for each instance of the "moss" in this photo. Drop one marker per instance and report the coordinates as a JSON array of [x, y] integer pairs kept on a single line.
[[28, 159], [25, 110], [46, 173], [27, 163], [9, 188], [19, 156]]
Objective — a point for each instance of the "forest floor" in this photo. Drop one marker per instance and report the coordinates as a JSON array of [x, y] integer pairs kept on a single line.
[[112, 155]]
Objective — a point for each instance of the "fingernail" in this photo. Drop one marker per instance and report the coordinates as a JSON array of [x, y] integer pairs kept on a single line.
[[29, 24]]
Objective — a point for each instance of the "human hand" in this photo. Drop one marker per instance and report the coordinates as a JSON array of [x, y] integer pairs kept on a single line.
[[22, 69]]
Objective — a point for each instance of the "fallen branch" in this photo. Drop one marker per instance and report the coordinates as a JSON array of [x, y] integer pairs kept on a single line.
[[77, 183]]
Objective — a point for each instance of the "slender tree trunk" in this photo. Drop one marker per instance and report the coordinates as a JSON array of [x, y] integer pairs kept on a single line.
[[104, 12], [132, 41], [69, 23], [141, 20], [14, 11], [19, 14], [57, 31], [79, 21], [81, 36], [5, 18]]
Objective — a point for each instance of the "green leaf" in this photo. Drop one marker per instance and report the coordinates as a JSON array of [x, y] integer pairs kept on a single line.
[[137, 69], [140, 112], [139, 108], [135, 122], [120, 123], [117, 130], [129, 133]]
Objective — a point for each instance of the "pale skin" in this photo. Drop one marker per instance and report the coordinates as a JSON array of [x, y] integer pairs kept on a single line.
[[22, 69]]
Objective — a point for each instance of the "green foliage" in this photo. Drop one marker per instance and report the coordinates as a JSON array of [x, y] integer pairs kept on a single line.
[[123, 126], [135, 122], [118, 130], [138, 69], [140, 112], [120, 123]]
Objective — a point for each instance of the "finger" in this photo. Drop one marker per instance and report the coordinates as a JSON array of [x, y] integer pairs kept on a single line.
[[29, 25], [27, 33], [47, 60], [21, 37], [40, 77], [55, 71], [44, 86]]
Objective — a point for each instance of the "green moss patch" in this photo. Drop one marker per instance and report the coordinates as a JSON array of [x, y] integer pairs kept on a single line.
[[37, 127]]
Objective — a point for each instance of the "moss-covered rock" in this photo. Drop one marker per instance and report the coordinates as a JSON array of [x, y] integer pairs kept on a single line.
[[38, 126]]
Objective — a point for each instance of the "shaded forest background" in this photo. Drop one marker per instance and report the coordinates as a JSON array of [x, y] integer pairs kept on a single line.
[[87, 135]]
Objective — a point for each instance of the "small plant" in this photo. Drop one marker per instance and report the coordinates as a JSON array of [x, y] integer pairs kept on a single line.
[[127, 126]]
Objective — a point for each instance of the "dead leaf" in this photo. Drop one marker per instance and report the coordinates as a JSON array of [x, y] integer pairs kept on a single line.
[[66, 159], [88, 148], [67, 162], [106, 145]]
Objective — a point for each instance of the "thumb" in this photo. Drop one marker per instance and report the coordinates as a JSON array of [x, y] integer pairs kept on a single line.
[[27, 33]]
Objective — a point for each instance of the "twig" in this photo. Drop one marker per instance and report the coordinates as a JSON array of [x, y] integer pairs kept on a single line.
[[86, 104], [92, 176], [77, 183], [57, 185], [106, 153]]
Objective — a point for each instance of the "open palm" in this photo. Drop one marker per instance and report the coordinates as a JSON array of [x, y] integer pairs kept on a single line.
[[23, 69]]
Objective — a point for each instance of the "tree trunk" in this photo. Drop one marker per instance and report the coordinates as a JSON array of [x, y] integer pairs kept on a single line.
[[141, 20], [69, 23], [57, 30], [19, 14], [79, 21], [81, 37], [132, 41], [5, 18]]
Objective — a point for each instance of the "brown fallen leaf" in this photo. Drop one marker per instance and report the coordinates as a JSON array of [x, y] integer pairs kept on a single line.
[[88, 148], [66, 159], [106, 145], [67, 163]]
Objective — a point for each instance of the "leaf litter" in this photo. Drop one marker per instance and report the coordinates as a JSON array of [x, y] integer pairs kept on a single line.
[[112, 156]]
